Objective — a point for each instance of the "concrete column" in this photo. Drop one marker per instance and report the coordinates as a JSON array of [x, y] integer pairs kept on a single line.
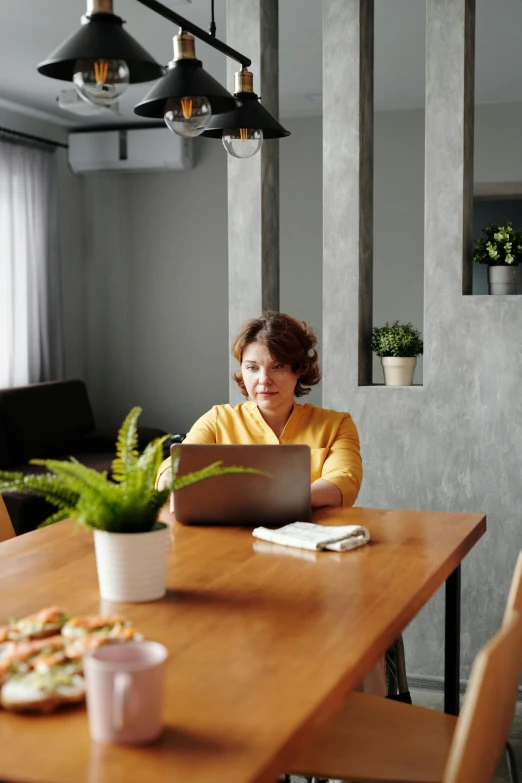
[[347, 196], [253, 184], [450, 58]]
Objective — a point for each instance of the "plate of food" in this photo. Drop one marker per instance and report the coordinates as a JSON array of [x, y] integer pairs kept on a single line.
[[41, 656]]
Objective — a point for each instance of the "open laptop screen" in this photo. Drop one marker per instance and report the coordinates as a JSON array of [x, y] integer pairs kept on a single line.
[[249, 499]]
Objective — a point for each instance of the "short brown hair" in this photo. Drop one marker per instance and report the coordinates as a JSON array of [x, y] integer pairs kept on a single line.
[[289, 341]]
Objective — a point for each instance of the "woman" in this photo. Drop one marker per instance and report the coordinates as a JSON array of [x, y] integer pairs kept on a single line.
[[278, 362]]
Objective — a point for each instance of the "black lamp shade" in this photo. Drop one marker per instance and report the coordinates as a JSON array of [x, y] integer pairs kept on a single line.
[[250, 114], [186, 78], [101, 38]]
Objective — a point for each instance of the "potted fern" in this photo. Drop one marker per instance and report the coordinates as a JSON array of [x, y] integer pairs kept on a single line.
[[501, 249], [398, 345], [131, 545]]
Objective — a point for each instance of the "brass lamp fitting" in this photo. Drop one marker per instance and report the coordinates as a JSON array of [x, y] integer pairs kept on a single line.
[[99, 7], [184, 46], [243, 81]]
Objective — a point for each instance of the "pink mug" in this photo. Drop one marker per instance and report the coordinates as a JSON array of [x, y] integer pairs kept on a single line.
[[125, 685]]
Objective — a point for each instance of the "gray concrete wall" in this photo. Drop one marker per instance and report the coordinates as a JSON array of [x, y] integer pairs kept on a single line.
[[72, 212], [253, 184], [347, 191], [156, 259], [453, 444]]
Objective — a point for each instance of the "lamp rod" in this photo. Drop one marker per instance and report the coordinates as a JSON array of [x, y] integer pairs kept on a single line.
[[212, 28], [198, 32]]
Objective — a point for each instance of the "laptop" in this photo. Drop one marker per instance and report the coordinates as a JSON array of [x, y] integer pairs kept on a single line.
[[246, 499]]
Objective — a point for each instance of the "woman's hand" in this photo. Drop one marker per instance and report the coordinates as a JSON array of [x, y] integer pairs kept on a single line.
[[325, 493]]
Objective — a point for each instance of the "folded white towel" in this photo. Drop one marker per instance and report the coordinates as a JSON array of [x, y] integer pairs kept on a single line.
[[306, 535]]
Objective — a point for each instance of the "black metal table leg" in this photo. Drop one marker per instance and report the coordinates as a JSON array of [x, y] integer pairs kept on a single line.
[[452, 644]]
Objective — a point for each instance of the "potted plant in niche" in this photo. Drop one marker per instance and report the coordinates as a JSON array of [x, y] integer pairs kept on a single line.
[[398, 345], [131, 545], [501, 249]]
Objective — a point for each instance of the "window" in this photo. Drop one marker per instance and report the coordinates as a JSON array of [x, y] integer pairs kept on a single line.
[[30, 306]]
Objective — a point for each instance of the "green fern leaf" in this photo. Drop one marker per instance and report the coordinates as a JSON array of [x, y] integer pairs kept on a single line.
[[126, 446], [75, 476], [142, 477], [174, 459], [45, 485], [56, 517], [9, 475], [213, 471], [97, 498], [158, 500], [102, 509], [152, 457]]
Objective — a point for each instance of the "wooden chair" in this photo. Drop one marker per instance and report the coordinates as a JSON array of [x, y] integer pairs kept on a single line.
[[378, 740], [514, 604], [6, 528], [514, 600]]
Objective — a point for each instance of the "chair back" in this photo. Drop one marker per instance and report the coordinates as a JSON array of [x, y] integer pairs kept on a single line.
[[6, 528], [514, 601], [485, 722]]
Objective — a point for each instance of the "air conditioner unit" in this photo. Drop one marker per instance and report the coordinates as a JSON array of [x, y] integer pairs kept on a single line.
[[134, 150]]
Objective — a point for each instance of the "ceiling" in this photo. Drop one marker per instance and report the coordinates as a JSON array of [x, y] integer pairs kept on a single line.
[[32, 29]]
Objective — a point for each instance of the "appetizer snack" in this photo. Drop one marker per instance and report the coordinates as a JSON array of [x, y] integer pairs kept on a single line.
[[45, 660], [7, 669], [23, 651], [75, 649], [41, 669], [42, 692], [94, 623], [46, 622]]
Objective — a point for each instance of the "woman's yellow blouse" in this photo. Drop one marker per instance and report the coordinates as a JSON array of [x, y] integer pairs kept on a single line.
[[332, 437]]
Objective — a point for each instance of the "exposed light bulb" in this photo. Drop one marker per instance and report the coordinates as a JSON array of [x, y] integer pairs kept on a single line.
[[242, 142], [101, 81], [188, 116]]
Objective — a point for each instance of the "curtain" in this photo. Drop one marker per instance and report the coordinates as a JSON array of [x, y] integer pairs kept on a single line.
[[31, 341]]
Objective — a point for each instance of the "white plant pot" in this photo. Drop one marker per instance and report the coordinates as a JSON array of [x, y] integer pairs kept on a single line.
[[503, 279], [132, 567], [398, 370]]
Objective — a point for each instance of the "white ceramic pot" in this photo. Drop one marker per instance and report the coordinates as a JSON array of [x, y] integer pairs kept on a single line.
[[503, 279], [132, 567], [398, 370]]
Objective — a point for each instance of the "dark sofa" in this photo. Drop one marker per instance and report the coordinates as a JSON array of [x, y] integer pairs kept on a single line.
[[51, 420]]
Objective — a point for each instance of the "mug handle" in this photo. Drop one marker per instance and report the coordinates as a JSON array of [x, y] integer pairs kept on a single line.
[[121, 689]]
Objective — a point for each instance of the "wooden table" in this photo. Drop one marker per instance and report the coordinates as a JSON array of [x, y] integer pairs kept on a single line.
[[265, 641]]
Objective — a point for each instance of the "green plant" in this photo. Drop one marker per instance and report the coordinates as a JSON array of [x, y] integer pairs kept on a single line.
[[397, 340], [500, 245], [129, 503]]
